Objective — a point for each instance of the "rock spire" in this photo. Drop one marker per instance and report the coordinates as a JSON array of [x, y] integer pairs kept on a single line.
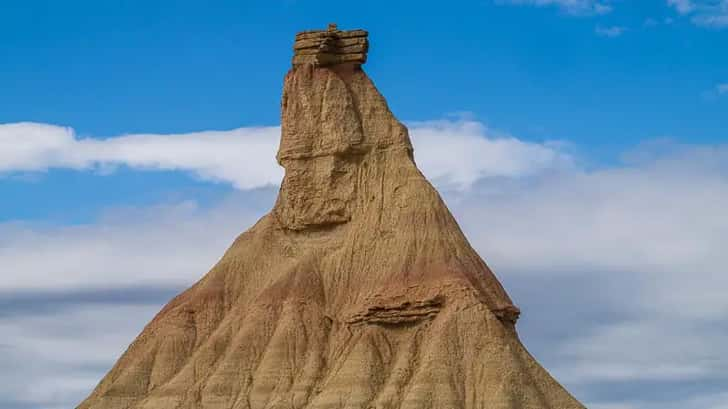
[[357, 291]]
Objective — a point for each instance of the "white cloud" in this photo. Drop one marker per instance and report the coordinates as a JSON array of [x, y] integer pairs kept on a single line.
[[614, 31], [659, 350], [171, 244], [722, 89], [659, 214], [707, 13], [574, 7], [245, 157], [54, 359], [475, 152]]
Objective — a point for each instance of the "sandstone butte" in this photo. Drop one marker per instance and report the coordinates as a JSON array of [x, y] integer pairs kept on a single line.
[[358, 289]]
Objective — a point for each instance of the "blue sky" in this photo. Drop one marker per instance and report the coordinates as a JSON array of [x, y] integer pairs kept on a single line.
[[541, 73], [582, 144]]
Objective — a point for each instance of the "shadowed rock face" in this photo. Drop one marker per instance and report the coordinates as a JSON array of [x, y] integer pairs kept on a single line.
[[357, 291]]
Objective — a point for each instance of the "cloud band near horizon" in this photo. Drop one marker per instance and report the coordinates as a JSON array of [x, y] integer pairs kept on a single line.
[[245, 157]]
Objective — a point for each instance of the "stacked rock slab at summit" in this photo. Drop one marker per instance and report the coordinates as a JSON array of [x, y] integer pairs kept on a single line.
[[330, 47]]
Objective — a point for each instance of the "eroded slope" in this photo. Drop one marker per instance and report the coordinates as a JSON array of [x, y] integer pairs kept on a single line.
[[358, 290]]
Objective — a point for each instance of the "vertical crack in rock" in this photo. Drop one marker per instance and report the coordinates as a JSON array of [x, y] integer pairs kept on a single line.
[[357, 291]]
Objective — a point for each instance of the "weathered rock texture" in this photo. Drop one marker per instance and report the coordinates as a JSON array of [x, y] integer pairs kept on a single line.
[[358, 290]]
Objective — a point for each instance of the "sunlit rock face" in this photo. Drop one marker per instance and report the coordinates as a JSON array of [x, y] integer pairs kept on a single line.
[[357, 291]]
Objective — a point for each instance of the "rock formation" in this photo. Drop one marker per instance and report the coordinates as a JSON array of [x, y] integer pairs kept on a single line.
[[357, 291]]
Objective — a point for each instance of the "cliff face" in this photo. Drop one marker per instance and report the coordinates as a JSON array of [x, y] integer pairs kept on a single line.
[[358, 290]]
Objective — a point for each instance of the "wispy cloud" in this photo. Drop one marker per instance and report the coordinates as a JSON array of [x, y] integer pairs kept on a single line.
[[476, 152], [718, 91], [611, 32], [51, 360], [682, 6], [717, 400], [707, 13], [573, 7], [245, 157], [126, 247]]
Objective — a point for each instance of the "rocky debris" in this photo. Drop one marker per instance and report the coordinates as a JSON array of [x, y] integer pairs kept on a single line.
[[357, 291], [330, 47]]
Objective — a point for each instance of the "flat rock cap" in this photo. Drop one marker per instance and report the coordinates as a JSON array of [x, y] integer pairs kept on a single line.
[[330, 47]]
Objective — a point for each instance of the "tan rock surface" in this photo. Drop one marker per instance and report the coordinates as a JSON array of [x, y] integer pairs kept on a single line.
[[358, 290]]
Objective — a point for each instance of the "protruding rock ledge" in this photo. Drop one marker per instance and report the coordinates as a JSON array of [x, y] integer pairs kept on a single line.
[[399, 313], [508, 313], [330, 47]]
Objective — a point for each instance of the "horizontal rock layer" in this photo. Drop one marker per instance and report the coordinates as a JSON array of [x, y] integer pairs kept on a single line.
[[312, 34], [399, 313], [330, 47]]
